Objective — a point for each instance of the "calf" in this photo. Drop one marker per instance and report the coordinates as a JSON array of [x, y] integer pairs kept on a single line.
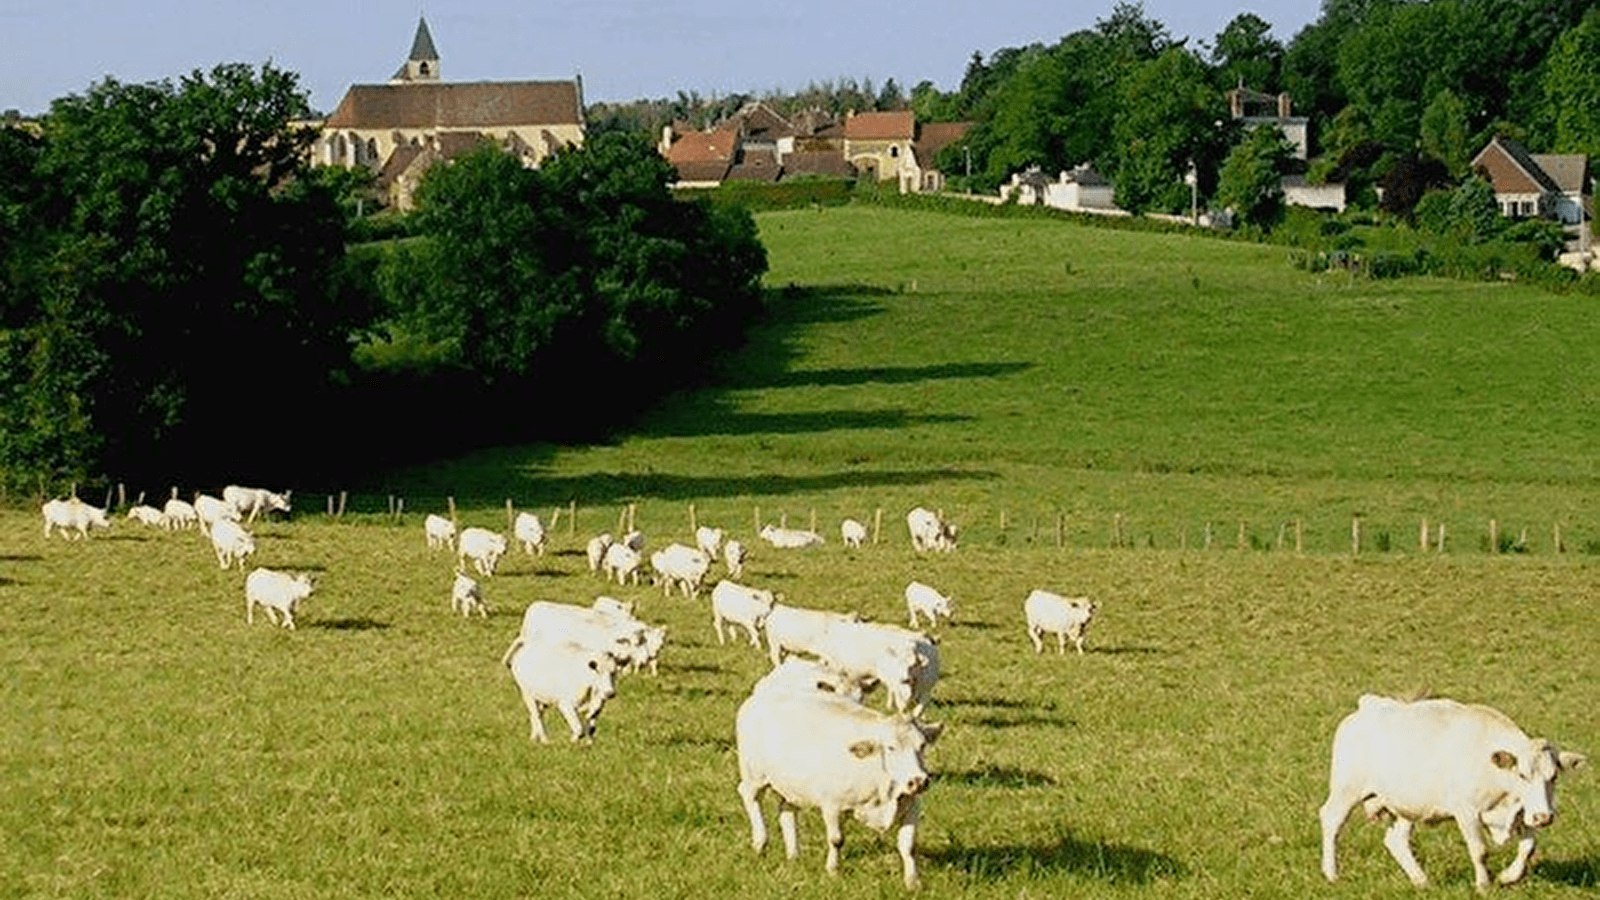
[[789, 538], [923, 601], [1429, 760], [709, 540], [734, 554], [929, 531], [276, 592], [439, 532], [681, 566], [816, 749], [530, 531], [72, 515], [736, 604], [1058, 615], [483, 547], [575, 680], [148, 515], [622, 563], [179, 513], [466, 596], [852, 533], [231, 542]]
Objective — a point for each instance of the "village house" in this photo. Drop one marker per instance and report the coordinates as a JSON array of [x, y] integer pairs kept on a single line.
[[1544, 186], [417, 119]]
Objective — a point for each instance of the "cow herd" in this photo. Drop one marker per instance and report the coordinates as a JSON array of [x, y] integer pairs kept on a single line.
[[807, 732]]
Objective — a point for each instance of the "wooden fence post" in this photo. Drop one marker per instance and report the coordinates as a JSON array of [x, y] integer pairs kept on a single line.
[[344, 496], [633, 517], [1242, 532], [1355, 535], [1061, 527], [1422, 536], [1299, 544], [757, 520], [330, 506], [694, 523], [877, 524], [1494, 535], [1556, 539], [813, 520], [450, 502], [572, 517], [122, 496], [1208, 536], [399, 509], [1441, 537]]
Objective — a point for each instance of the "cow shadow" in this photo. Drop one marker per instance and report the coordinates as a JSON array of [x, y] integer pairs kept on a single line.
[[1576, 872], [992, 776], [21, 557], [1107, 860], [1020, 721], [352, 623]]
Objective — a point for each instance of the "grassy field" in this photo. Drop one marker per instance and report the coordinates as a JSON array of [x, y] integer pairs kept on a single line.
[[155, 745]]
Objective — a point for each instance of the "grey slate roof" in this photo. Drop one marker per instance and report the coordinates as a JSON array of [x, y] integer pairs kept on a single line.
[[422, 45]]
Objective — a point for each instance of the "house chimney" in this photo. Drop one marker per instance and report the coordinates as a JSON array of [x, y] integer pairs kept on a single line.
[[1283, 105]]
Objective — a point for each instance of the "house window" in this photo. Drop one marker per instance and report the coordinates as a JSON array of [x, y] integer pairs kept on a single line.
[[1527, 207]]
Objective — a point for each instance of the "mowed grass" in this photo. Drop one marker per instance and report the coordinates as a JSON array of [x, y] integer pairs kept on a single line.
[[156, 745]]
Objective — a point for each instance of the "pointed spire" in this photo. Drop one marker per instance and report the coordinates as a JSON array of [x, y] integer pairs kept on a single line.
[[422, 45], [423, 63]]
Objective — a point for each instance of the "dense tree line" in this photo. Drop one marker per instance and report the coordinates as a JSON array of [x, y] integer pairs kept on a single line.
[[177, 303]]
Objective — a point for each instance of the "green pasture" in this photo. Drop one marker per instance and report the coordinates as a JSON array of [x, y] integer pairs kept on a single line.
[[154, 745]]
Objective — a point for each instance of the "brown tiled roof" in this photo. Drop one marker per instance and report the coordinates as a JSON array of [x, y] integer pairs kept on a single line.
[[755, 167], [1511, 170], [881, 126], [702, 146], [935, 136], [702, 170], [470, 104]]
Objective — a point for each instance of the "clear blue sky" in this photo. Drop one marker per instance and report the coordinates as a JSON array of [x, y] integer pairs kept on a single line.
[[624, 49]]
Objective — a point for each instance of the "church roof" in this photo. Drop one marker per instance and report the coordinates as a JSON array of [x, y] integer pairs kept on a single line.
[[422, 45], [458, 104]]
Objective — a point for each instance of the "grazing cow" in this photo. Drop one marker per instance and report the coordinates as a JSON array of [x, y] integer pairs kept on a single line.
[[796, 674], [249, 502], [483, 547], [929, 531], [440, 532], [709, 540], [634, 540], [596, 550], [1429, 760], [231, 542], [923, 600], [622, 563], [467, 597], [179, 513], [530, 531], [617, 634], [1058, 615], [681, 566], [72, 514], [905, 662], [655, 637], [793, 628], [572, 678], [815, 749], [611, 606], [736, 604], [734, 554], [210, 510], [276, 592], [789, 538], [148, 515], [853, 533]]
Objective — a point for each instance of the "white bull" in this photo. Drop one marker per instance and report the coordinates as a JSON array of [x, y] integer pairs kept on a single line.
[[249, 502], [179, 513], [209, 510], [736, 604], [815, 749], [231, 542], [1429, 760], [622, 563], [681, 566], [483, 547], [925, 601], [279, 593], [466, 596], [439, 531], [794, 628], [709, 540], [575, 680], [1054, 614], [929, 531], [852, 533], [530, 532], [72, 515], [148, 515], [789, 538], [734, 554], [605, 630], [596, 549]]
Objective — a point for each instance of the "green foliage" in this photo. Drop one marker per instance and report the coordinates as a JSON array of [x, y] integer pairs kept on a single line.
[[1571, 84], [1468, 213], [1169, 116], [789, 193], [179, 267], [1444, 133], [1245, 53], [1252, 176]]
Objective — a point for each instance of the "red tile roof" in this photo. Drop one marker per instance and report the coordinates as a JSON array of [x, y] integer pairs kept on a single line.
[[473, 104], [702, 146], [881, 126]]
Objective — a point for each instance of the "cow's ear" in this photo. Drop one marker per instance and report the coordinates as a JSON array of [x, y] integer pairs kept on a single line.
[[864, 749], [1503, 759], [1570, 761], [931, 730], [594, 664]]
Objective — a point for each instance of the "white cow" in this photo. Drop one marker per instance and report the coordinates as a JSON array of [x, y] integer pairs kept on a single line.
[[231, 542], [74, 515], [789, 538], [620, 635], [815, 749], [483, 547], [249, 502], [853, 533], [179, 513], [209, 510], [1058, 615], [809, 675], [611, 606], [924, 600], [276, 592], [681, 566], [796, 629], [622, 563], [572, 678], [596, 550], [439, 531], [148, 515], [929, 531], [466, 596], [709, 540], [1429, 760], [736, 604], [634, 540], [530, 531], [734, 554], [905, 662]]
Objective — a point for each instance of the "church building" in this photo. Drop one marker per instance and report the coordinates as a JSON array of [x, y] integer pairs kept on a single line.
[[417, 119]]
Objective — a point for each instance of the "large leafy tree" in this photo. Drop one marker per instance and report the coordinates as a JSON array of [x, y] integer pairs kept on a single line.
[[1171, 118], [179, 290], [1571, 81], [1245, 53], [1251, 179]]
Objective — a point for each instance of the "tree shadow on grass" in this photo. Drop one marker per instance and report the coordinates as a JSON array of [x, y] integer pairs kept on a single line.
[[847, 377], [609, 487], [706, 422], [21, 557], [1108, 861]]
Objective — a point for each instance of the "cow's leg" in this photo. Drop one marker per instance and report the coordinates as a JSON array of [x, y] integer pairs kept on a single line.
[[830, 822], [1033, 635], [570, 713], [536, 727], [1061, 643], [1398, 840], [1333, 815], [755, 635], [716, 622], [1519, 866], [288, 619], [787, 825], [750, 793], [904, 840], [1472, 833]]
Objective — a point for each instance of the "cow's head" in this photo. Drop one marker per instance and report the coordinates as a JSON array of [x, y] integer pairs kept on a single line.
[[1532, 774], [899, 746]]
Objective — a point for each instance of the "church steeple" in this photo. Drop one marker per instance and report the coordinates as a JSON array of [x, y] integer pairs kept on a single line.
[[423, 63]]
